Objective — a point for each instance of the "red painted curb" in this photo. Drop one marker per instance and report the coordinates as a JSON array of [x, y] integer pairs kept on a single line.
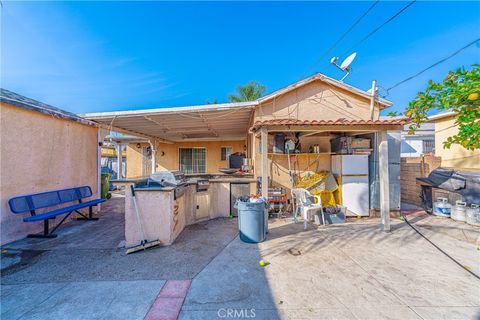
[[168, 304]]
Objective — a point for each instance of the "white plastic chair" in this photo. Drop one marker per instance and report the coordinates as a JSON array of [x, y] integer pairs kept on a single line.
[[304, 200]]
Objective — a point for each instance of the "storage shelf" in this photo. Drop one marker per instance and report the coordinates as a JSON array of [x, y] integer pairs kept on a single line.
[[300, 154]]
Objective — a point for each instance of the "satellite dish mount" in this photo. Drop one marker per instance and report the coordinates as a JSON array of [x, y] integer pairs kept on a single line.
[[345, 66]]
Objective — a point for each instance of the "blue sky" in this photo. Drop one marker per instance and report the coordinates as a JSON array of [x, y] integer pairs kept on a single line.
[[105, 56]]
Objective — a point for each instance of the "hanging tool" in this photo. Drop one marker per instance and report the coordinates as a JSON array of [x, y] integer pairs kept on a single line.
[[144, 243], [290, 174]]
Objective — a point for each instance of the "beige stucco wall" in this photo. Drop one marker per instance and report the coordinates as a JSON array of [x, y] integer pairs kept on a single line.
[[41, 153], [457, 156], [314, 101], [170, 157]]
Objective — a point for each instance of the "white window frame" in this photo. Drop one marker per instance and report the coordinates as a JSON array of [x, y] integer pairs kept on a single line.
[[227, 156], [206, 157]]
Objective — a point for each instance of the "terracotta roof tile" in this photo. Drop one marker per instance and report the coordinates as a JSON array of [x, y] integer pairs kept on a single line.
[[338, 122]]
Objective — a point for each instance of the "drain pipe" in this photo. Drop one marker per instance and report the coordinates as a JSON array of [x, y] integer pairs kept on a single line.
[[153, 147], [372, 100]]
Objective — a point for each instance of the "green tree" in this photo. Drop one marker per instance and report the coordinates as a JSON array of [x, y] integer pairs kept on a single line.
[[459, 92], [249, 92]]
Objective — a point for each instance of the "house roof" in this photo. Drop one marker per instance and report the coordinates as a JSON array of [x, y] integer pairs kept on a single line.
[[321, 77], [213, 121], [20, 101], [441, 115], [338, 122]]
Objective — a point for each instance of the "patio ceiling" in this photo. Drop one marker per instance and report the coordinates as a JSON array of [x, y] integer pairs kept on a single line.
[[207, 122]]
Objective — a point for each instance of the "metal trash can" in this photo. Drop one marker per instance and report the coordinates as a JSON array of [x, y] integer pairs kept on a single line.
[[105, 184], [251, 221]]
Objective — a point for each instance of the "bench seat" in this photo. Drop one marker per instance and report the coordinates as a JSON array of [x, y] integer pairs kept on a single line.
[[73, 197], [59, 211]]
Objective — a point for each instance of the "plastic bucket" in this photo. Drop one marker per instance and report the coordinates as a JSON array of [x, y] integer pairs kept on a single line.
[[251, 221], [105, 184]]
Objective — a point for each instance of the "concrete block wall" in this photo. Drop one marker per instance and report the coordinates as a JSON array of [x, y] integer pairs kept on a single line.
[[410, 169]]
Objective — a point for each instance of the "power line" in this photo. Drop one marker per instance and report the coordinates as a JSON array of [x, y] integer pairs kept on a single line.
[[434, 65], [343, 35], [379, 27]]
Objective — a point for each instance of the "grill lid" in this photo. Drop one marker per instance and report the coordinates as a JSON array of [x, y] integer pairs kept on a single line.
[[166, 178]]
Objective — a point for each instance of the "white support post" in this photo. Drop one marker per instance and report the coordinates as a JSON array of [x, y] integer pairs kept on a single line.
[[119, 161], [264, 167], [153, 146], [384, 180]]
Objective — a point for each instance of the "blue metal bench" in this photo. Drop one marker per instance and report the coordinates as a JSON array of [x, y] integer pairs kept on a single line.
[[32, 202]]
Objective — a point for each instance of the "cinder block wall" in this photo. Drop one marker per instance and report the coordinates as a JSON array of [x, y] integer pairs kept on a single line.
[[410, 169]]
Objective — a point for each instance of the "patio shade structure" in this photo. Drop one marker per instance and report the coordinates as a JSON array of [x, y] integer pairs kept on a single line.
[[228, 121], [261, 129], [169, 125]]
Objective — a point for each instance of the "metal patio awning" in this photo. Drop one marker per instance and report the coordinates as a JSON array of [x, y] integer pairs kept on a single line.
[[227, 121]]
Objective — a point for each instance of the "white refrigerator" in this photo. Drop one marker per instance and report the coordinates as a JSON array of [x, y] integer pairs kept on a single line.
[[353, 173]]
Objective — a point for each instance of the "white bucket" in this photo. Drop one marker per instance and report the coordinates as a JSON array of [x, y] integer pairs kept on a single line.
[[442, 208], [459, 211], [473, 215]]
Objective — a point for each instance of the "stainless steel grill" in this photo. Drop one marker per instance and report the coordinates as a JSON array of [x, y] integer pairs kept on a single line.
[[168, 179]]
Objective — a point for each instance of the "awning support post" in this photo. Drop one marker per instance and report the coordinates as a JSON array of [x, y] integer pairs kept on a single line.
[[384, 180], [153, 146], [119, 147], [264, 167]]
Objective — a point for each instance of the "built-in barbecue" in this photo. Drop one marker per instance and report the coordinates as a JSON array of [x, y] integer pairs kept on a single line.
[[168, 179]]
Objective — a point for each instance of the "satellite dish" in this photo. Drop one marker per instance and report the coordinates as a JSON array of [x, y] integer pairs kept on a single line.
[[345, 66], [348, 61]]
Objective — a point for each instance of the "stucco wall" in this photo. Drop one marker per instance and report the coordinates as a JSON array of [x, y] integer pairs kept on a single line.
[[41, 153], [316, 100], [456, 157], [169, 159]]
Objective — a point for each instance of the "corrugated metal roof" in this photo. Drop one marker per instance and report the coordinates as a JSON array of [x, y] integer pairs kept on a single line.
[[212, 122], [14, 99], [337, 122]]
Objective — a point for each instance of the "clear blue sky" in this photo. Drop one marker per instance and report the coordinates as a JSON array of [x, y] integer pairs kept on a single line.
[[105, 56]]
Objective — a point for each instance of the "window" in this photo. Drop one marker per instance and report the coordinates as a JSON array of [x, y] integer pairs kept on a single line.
[[192, 160], [225, 153], [428, 146]]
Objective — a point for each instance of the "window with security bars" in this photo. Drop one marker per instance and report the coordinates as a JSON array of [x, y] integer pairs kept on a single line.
[[193, 160], [428, 146], [225, 153]]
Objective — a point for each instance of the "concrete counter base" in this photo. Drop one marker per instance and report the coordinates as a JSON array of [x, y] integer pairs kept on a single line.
[[163, 217]]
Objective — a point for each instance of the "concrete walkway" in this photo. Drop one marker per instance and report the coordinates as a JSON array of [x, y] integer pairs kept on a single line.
[[350, 271]]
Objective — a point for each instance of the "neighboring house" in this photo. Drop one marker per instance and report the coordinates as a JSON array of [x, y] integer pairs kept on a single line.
[[422, 142], [110, 160], [198, 139], [43, 148], [456, 156]]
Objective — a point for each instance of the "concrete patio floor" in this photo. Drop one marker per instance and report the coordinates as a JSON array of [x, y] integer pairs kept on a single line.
[[349, 271]]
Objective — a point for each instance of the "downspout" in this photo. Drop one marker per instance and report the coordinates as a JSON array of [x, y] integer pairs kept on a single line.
[[153, 147]]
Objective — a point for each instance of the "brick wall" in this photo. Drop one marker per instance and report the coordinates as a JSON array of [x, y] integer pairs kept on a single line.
[[410, 169]]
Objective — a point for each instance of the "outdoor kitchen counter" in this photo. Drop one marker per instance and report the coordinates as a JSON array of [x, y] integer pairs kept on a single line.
[[164, 217]]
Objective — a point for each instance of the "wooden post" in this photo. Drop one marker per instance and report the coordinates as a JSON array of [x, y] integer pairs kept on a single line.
[[264, 167], [384, 180]]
